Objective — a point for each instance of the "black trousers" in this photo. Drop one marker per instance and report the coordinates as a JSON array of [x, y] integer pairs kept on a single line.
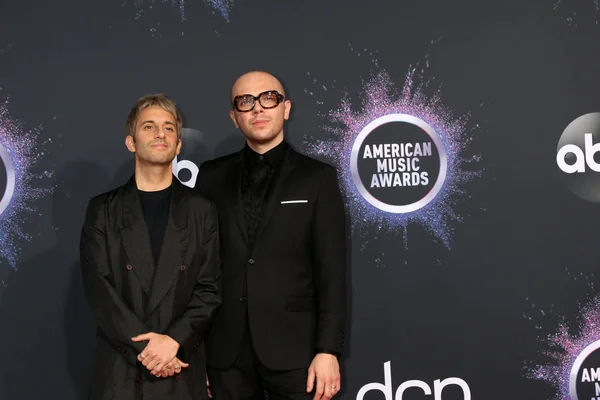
[[249, 379]]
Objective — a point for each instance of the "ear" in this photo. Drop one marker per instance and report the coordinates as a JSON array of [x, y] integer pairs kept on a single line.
[[232, 116], [178, 147], [130, 143], [288, 106]]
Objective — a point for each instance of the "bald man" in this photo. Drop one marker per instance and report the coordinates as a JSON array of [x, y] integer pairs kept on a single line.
[[280, 328]]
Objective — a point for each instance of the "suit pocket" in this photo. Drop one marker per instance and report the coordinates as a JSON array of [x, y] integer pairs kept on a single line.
[[294, 206], [300, 304]]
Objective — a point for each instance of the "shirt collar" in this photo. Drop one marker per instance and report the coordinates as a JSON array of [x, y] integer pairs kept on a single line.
[[274, 156]]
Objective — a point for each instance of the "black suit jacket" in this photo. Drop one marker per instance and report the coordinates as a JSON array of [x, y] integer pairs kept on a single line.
[[129, 296], [292, 282]]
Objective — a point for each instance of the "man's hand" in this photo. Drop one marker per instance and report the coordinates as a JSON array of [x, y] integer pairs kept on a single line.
[[208, 391], [159, 351], [172, 368], [326, 370]]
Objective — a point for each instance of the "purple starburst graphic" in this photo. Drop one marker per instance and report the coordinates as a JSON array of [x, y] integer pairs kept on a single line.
[[566, 349], [20, 151], [222, 6], [380, 99], [577, 8]]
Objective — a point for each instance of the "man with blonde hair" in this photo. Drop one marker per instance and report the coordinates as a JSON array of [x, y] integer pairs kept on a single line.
[[150, 269]]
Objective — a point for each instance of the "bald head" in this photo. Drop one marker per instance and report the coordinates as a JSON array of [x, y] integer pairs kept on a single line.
[[262, 126], [255, 82]]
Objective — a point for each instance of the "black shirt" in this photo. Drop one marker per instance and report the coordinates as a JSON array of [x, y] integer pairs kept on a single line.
[[155, 206], [259, 172]]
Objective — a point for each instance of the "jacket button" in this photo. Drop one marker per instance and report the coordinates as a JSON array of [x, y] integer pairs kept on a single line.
[[177, 378], [182, 268], [243, 299], [138, 379], [129, 267], [251, 261]]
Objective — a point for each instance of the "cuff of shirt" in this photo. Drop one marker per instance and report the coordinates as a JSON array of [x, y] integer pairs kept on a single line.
[[327, 351]]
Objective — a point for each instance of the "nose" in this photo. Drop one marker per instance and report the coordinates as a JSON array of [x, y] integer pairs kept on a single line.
[[160, 133], [257, 108]]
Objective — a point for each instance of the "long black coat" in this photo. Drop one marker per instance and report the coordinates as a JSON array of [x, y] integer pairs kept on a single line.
[[291, 284], [128, 298]]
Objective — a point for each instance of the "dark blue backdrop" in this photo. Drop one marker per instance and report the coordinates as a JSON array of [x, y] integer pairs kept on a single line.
[[475, 300]]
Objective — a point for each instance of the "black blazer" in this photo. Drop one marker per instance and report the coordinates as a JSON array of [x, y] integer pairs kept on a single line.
[[293, 281], [127, 298]]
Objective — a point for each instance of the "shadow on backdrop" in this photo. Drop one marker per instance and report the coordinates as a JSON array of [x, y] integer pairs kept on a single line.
[[48, 330]]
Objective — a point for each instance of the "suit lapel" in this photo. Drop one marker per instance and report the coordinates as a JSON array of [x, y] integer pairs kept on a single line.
[[234, 194], [174, 247], [273, 202], [136, 240]]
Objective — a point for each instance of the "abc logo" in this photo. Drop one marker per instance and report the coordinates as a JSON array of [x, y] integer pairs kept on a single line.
[[578, 156], [192, 148], [7, 179]]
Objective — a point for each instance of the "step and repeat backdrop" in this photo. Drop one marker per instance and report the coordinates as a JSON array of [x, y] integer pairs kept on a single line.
[[466, 135]]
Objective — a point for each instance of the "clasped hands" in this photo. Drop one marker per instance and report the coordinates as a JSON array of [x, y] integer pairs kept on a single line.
[[160, 355]]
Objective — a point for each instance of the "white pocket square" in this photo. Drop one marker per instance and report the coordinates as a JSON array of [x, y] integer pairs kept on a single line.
[[294, 201]]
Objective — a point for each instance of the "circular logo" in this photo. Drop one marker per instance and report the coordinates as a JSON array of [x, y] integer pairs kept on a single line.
[[192, 148], [584, 380], [578, 156], [398, 163], [7, 179]]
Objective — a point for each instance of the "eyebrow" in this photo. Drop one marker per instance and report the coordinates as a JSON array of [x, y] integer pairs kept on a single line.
[[250, 94], [153, 122]]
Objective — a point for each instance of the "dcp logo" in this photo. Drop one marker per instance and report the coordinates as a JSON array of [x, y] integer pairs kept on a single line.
[[7, 179], [387, 389], [398, 163], [578, 156]]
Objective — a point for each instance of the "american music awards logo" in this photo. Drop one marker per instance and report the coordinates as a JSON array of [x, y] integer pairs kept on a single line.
[[398, 163], [574, 370], [20, 152], [402, 156], [7, 179]]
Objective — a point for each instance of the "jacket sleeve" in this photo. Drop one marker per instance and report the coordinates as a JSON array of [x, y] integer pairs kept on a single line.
[[202, 180], [190, 328], [115, 319], [330, 263]]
